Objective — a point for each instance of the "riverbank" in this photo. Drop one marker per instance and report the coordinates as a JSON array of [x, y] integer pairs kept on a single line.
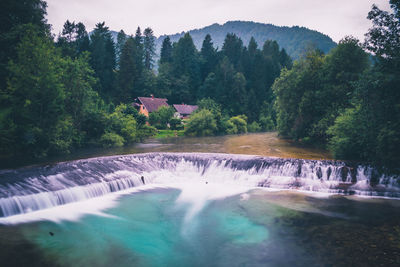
[[261, 144], [169, 133]]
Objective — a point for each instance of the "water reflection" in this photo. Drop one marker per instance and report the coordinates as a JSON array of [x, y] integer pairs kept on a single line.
[[263, 144]]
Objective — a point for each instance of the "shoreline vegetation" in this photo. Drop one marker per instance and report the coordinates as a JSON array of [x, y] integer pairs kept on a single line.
[[75, 91], [266, 144]]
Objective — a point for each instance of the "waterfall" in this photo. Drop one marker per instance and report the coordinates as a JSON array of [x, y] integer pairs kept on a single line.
[[36, 188]]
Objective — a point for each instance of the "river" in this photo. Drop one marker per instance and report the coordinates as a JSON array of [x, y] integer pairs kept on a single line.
[[200, 202]]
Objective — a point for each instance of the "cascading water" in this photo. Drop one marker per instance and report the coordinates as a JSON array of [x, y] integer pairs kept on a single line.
[[37, 188]]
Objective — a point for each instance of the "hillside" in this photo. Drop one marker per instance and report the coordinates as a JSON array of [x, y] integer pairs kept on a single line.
[[293, 39]]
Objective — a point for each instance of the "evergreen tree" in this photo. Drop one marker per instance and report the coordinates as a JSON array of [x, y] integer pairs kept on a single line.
[[82, 38], [166, 51], [233, 49], [73, 40], [103, 58], [209, 87], [13, 14], [128, 73], [186, 63], [121, 39], [139, 56], [148, 48], [285, 60], [208, 56]]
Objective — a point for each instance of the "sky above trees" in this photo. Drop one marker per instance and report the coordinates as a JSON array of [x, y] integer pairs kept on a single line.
[[335, 18]]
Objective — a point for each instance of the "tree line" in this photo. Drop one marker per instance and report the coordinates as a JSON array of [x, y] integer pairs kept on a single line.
[[58, 94], [76, 90], [348, 100]]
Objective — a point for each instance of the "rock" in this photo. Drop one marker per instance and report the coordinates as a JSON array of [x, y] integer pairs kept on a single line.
[[328, 172], [343, 173], [319, 173], [353, 173]]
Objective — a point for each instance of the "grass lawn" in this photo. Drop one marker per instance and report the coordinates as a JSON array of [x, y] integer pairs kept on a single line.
[[168, 133]]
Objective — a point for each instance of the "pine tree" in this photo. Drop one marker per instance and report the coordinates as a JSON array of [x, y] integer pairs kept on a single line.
[[208, 56], [233, 49], [121, 39], [148, 48], [73, 40], [13, 14], [103, 58], [186, 63], [166, 51], [127, 74]]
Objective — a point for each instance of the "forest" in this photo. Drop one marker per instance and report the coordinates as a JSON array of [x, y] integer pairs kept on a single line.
[[74, 90], [294, 39]]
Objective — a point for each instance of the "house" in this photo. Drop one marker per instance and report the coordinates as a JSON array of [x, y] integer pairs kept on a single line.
[[146, 105], [183, 111]]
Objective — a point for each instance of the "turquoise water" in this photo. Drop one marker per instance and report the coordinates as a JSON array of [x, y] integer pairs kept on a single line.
[[257, 228]]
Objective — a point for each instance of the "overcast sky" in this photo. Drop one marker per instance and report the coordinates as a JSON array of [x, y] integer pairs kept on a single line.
[[336, 18]]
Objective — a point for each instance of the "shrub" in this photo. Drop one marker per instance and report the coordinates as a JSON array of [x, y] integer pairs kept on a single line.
[[201, 123], [145, 131], [111, 139], [237, 124], [254, 127], [175, 124]]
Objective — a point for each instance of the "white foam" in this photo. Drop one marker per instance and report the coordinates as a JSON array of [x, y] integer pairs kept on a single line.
[[76, 210]]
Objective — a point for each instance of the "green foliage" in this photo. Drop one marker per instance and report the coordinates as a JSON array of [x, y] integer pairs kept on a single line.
[[103, 59], [208, 103], [215, 108], [293, 39], [208, 57], [154, 119], [35, 95], [347, 135], [112, 140], [148, 48], [73, 40], [168, 133], [13, 16], [313, 93], [201, 123], [254, 127], [175, 124], [370, 131], [237, 125], [66, 94], [166, 51], [161, 117], [186, 70], [339, 98], [145, 131], [122, 123], [121, 40], [267, 118], [128, 73]]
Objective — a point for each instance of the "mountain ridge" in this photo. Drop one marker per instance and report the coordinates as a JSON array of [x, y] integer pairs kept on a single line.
[[294, 39]]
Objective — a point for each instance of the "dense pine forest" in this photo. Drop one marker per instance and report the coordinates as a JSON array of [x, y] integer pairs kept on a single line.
[[74, 90]]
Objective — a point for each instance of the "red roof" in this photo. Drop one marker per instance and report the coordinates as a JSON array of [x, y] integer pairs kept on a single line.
[[152, 103], [185, 109]]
